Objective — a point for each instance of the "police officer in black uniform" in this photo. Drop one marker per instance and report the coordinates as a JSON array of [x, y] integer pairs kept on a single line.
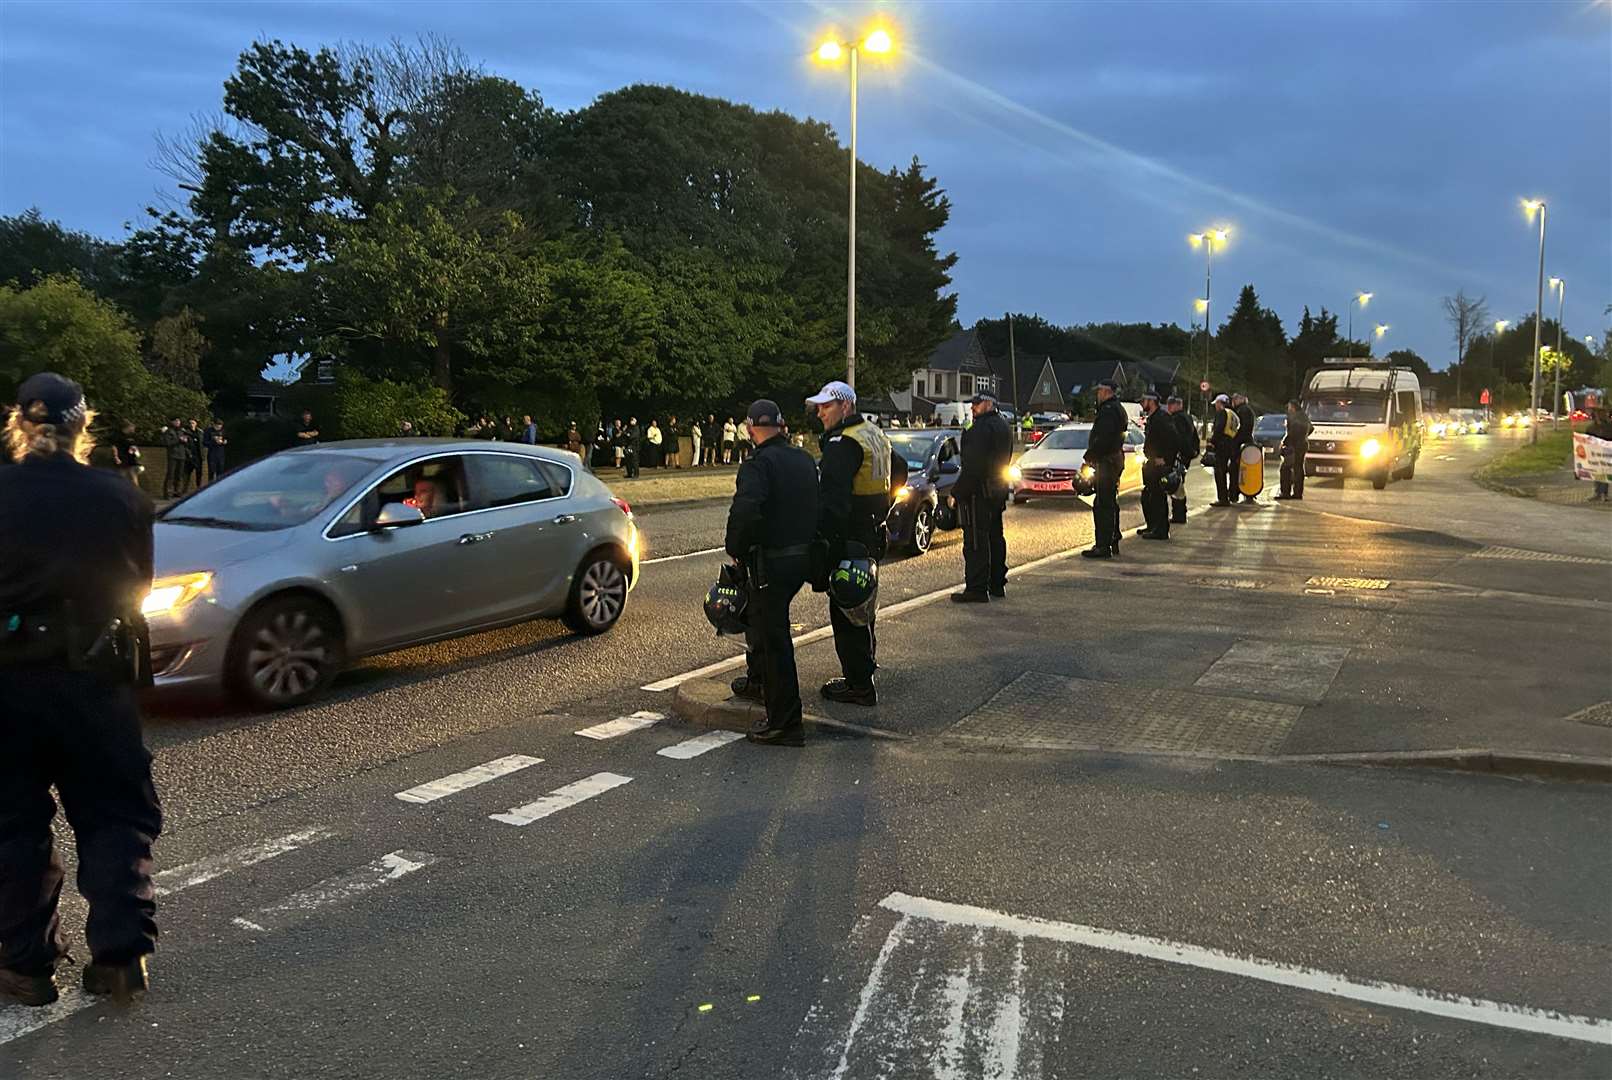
[[1225, 446], [75, 548], [1295, 446], [1189, 446], [1105, 453], [981, 492], [1160, 449], [1245, 439], [771, 526], [853, 502]]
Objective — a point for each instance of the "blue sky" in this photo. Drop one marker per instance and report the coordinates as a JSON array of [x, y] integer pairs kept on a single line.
[[1366, 146]]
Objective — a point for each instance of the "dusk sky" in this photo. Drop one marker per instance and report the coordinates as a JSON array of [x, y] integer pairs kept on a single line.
[[1370, 146]]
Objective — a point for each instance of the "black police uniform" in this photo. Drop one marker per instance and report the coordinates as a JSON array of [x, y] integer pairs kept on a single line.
[[1188, 444], [1160, 440], [1105, 450], [981, 492], [1295, 446], [843, 518], [630, 447], [76, 546], [1226, 448], [1245, 439], [771, 525]]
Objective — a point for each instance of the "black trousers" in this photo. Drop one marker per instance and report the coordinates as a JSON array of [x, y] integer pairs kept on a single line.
[[630, 460], [771, 661], [1105, 504], [1293, 473], [81, 733], [1226, 475], [215, 467], [856, 647], [1155, 501], [173, 481], [984, 545]]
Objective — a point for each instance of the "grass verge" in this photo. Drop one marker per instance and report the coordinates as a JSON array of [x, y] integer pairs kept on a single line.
[[1552, 453]]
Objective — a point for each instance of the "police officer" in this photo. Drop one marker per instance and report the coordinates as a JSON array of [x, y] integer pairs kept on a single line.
[[1188, 444], [981, 493], [75, 544], [853, 502], [771, 526], [1160, 450], [1223, 429], [1245, 439], [1295, 445], [1105, 453]]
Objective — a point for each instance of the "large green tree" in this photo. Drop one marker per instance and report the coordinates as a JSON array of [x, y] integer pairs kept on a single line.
[[1253, 337]]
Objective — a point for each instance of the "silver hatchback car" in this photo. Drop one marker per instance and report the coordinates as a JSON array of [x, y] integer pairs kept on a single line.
[[270, 580]]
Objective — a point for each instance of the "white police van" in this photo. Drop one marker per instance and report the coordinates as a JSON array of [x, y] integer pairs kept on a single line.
[[1367, 417]]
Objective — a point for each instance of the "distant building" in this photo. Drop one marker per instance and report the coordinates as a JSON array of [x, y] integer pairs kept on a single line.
[[956, 371]]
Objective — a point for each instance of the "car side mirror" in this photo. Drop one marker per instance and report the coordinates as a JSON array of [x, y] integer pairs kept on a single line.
[[398, 515], [950, 468]]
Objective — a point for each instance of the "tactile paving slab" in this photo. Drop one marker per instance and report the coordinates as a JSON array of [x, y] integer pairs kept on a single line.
[[1042, 711], [1599, 715], [1277, 670]]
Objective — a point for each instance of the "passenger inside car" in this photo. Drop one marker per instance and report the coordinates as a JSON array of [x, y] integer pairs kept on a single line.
[[425, 497]]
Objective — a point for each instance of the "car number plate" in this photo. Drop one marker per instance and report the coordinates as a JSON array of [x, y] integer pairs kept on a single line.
[[1333, 469], [1048, 485]]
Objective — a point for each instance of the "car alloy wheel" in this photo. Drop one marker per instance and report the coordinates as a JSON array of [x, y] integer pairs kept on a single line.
[[923, 530], [599, 595], [288, 650]]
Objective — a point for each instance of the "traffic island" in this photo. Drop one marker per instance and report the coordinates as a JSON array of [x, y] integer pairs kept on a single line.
[[710, 703]]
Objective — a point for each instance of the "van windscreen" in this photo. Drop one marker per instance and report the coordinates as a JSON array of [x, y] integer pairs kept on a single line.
[[1348, 407]]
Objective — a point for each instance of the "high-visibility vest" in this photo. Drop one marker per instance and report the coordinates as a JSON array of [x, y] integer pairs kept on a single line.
[[873, 477]]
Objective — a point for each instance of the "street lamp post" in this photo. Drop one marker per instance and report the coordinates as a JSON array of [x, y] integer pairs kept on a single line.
[[830, 51], [1361, 298], [1379, 331], [1533, 206], [1499, 327], [1207, 240], [1560, 285]]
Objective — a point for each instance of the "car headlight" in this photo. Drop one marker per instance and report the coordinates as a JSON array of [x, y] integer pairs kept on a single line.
[[1014, 474], [174, 592], [1524, 420], [902, 492], [1438, 429], [1370, 448]]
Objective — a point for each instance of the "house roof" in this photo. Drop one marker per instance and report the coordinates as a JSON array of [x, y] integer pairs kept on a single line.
[[1030, 367], [960, 352], [1079, 376], [1159, 371]]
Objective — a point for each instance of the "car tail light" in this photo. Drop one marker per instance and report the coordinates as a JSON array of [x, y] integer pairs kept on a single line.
[[622, 503]]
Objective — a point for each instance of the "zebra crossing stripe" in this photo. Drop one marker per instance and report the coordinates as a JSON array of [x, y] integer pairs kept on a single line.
[[346, 886], [189, 875], [622, 724], [700, 744], [560, 798], [460, 781]]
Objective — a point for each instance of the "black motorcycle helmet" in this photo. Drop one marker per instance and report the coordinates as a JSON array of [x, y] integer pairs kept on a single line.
[[1085, 481], [727, 602], [854, 587], [1173, 478]]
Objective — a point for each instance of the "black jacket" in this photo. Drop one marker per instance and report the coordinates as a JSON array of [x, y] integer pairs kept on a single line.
[[1188, 445], [1297, 438], [1161, 438], [842, 516], [774, 500], [1107, 439], [1245, 434], [987, 450], [72, 534]]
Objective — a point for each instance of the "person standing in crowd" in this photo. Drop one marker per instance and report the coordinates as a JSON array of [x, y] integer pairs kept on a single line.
[[630, 440], [741, 448], [713, 439], [1186, 436], [853, 502], [214, 442], [405, 429], [730, 435], [528, 431], [195, 453], [1295, 445], [618, 441], [573, 439], [652, 437], [674, 443], [1161, 449], [308, 431], [1600, 427], [982, 493], [1245, 438], [1105, 453], [696, 435], [76, 545], [771, 525], [126, 453], [174, 441], [1223, 443]]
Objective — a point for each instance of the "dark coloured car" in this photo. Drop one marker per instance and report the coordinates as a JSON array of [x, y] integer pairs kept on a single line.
[[1269, 431], [924, 503]]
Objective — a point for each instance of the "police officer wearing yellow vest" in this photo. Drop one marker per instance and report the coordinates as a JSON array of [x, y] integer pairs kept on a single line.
[[75, 565], [853, 502]]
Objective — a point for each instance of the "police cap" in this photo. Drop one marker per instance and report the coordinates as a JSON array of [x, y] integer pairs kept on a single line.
[[764, 413], [49, 398]]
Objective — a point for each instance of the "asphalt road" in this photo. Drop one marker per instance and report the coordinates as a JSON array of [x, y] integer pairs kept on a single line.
[[655, 903]]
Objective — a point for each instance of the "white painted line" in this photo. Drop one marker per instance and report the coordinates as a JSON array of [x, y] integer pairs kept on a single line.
[[460, 781], [179, 878], [693, 748], [560, 798], [622, 724], [336, 890], [685, 555], [896, 936], [1390, 995], [19, 1020]]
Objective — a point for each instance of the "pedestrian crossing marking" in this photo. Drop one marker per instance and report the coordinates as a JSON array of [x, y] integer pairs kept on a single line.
[[700, 744], [469, 778], [561, 798], [341, 888], [621, 725], [179, 878]]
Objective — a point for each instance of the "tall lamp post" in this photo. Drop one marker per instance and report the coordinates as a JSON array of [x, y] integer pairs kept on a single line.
[[1499, 328], [829, 52], [1207, 240], [1532, 207], [1560, 286], [1378, 332], [1361, 298]]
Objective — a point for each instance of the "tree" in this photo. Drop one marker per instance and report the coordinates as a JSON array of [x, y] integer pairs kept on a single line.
[[374, 408], [176, 348], [1466, 316], [1409, 358], [32, 249], [1257, 342], [1316, 340]]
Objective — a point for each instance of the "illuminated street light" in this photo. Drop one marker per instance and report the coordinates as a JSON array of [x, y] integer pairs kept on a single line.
[[1382, 328], [877, 41], [1499, 328], [1207, 240], [1200, 305], [1361, 298], [1532, 207], [1560, 286]]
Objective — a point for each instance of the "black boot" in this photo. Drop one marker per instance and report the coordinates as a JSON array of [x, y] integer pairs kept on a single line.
[[747, 688], [968, 596], [786, 735], [120, 981], [1097, 553], [843, 692], [26, 989]]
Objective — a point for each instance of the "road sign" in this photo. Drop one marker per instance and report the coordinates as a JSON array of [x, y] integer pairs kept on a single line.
[[1204, 386], [1483, 398]]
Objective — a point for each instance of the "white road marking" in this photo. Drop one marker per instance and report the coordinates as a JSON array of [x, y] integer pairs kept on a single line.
[[460, 781], [622, 724], [19, 1020], [693, 748], [1390, 995], [685, 555], [1002, 1045], [341, 888], [560, 798], [946, 1063], [869, 989], [179, 878]]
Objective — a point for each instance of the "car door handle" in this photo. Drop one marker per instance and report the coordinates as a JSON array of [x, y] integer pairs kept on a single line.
[[565, 519], [474, 538]]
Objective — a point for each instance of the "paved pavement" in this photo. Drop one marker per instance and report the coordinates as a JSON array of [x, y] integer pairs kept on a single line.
[[489, 859]]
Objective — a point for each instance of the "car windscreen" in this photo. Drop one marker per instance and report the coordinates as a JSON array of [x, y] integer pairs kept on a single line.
[[914, 448], [1350, 407], [1271, 422], [274, 493], [1066, 439]]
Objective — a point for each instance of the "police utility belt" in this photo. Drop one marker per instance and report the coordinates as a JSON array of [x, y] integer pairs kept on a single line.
[[116, 649], [815, 552]]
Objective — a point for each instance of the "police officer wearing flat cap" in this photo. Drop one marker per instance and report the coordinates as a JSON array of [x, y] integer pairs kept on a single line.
[[75, 545], [1189, 446], [1105, 453], [1160, 450], [853, 502], [982, 493], [771, 526]]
